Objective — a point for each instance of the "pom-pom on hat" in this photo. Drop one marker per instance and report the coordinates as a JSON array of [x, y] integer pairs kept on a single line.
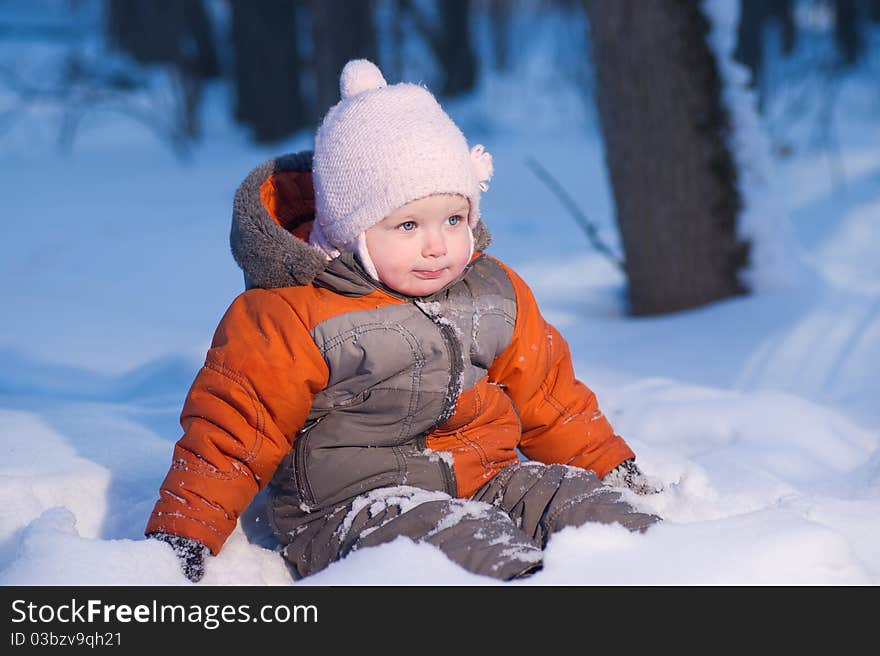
[[382, 146]]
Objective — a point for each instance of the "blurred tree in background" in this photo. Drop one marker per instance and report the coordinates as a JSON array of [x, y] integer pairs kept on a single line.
[[341, 30], [754, 17], [448, 33], [665, 130], [655, 86], [758, 18], [266, 68], [175, 33], [281, 58], [280, 48]]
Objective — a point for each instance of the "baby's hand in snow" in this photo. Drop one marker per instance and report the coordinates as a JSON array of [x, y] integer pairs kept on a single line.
[[628, 475], [190, 553]]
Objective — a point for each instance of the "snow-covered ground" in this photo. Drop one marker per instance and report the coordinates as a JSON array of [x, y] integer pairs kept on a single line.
[[759, 414]]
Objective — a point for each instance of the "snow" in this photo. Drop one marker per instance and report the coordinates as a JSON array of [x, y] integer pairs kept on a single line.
[[758, 414], [404, 497]]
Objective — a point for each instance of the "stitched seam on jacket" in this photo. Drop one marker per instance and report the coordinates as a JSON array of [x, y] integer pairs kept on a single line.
[[161, 513], [477, 404], [495, 312], [244, 384], [553, 401], [206, 470], [478, 317], [293, 311], [560, 407], [402, 469], [484, 458], [168, 497], [479, 396], [418, 360]]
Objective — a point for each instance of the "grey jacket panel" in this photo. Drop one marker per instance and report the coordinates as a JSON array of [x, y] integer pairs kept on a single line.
[[393, 349], [395, 374]]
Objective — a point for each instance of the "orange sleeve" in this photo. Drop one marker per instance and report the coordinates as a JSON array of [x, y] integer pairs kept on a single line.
[[560, 416], [239, 418]]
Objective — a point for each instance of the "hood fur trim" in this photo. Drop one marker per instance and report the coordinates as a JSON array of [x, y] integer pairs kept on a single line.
[[271, 255]]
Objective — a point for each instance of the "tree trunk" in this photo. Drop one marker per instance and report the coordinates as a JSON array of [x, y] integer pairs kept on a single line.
[[147, 30], [754, 16], [847, 31], [176, 33], [205, 59], [449, 37], [750, 37], [499, 17], [267, 69], [397, 36], [783, 11], [456, 51], [342, 30], [672, 175]]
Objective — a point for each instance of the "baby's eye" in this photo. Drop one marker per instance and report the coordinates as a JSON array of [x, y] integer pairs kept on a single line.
[[407, 226], [455, 219]]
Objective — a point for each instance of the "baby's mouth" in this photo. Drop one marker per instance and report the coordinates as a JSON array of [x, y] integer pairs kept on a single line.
[[429, 274]]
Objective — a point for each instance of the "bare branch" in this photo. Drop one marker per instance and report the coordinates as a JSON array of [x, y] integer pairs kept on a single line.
[[589, 228]]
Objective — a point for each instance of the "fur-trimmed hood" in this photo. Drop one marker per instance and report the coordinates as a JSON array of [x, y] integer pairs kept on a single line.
[[272, 217]]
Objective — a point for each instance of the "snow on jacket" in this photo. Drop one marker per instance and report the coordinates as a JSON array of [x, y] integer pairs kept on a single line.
[[327, 384]]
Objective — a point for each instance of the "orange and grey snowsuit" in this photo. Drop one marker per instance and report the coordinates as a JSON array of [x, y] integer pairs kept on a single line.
[[371, 415]]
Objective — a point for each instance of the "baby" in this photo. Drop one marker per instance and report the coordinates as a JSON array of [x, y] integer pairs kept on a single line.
[[382, 374]]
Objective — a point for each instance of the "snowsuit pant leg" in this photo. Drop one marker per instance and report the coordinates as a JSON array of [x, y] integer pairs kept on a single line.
[[477, 536], [543, 499], [499, 532]]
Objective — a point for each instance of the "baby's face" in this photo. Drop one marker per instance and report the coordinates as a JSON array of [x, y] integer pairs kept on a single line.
[[422, 246]]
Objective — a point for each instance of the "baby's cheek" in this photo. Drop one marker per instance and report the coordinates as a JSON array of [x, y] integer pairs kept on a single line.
[[466, 252]]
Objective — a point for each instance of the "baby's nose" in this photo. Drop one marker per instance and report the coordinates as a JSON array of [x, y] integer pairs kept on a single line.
[[434, 245]]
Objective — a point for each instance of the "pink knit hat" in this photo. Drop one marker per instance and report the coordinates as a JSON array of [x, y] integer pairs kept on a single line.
[[381, 147]]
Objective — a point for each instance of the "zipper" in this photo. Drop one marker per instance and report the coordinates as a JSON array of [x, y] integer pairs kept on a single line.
[[456, 368], [453, 347], [299, 463], [456, 371]]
